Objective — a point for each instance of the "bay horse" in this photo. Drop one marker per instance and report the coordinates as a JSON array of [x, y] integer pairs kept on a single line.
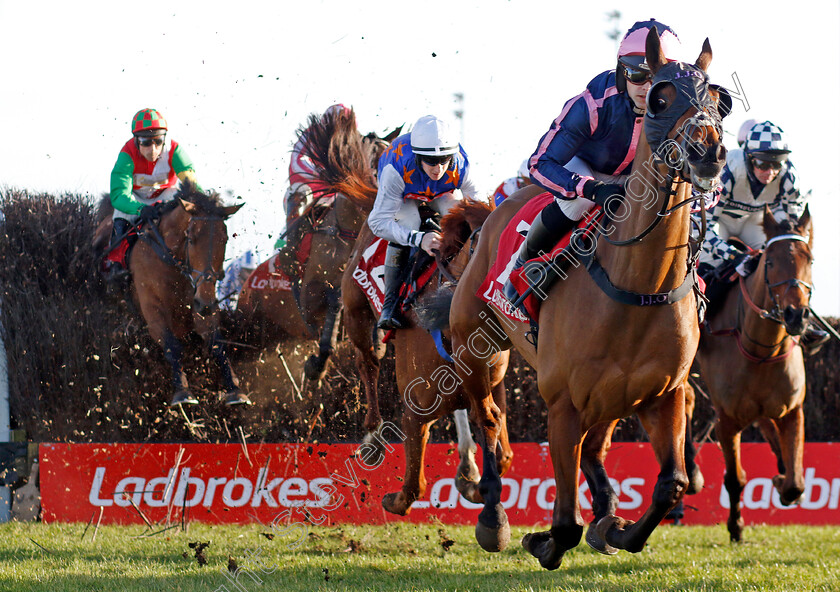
[[174, 268], [342, 155], [428, 383], [617, 340], [752, 365]]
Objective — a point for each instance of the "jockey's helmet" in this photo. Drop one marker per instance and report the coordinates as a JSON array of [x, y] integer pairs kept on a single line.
[[766, 141], [631, 52], [432, 136], [524, 170], [337, 109], [744, 130], [148, 122]]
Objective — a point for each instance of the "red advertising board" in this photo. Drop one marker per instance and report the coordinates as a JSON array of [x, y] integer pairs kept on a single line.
[[331, 483]]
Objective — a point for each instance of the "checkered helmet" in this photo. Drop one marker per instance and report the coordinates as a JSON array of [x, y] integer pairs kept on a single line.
[[148, 122], [767, 141]]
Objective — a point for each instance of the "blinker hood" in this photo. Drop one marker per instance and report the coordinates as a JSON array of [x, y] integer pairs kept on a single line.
[[692, 86]]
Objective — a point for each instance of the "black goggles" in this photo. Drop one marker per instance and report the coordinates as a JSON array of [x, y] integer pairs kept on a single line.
[[635, 75], [436, 160], [766, 165], [146, 142]]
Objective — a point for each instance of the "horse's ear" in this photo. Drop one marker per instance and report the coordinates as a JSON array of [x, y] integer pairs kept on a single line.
[[654, 55], [705, 57], [803, 225], [231, 210], [189, 206], [771, 227]]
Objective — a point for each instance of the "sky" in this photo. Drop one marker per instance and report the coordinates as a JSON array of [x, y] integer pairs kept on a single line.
[[235, 80]]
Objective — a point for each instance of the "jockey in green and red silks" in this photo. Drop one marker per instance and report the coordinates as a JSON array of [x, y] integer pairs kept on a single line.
[[147, 170]]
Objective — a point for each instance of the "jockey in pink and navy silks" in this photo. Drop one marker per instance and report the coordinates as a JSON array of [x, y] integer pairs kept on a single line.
[[148, 170], [509, 186], [587, 154], [427, 165]]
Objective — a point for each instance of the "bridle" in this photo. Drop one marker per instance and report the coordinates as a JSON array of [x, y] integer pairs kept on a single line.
[[151, 234], [776, 314]]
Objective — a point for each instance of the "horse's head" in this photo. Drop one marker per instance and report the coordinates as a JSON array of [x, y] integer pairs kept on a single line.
[[787, 270], [683, 116], [206, 239]]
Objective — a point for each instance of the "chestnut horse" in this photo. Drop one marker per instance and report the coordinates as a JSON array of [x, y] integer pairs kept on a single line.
[[617, 340], [427, 382], [754, 370], [174, 269], [341, 153]]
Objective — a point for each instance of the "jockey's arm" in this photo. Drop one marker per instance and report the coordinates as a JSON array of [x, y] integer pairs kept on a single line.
[[557, 147], [389, 200], [790, 202], [468, 187], [122, 185], [183, 166]]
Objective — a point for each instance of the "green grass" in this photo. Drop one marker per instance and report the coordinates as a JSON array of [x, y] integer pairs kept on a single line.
[[407, 557]]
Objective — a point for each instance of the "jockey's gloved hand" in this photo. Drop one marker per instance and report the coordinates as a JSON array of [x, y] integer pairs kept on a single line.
[[746, 265], [601, 193], [150, 212]]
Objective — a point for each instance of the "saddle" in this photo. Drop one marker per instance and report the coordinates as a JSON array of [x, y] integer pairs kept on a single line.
[[529, 278]]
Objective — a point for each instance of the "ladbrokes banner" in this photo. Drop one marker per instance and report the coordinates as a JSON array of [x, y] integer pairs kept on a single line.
[[341, 483]]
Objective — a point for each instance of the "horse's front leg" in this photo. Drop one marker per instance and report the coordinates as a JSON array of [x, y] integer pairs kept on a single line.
[[416, 429], [233, 394], [173, 351], [596, 444], [734, 477], [564, 442], [789, 432], [664, 421], [316, 365]]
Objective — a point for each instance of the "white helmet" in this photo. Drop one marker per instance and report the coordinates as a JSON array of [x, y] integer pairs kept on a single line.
[[432, 136], [744, 130], [524, 170]]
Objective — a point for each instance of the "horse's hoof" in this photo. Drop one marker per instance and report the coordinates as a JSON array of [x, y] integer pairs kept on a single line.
[[696, 481], [597, 542], [184, 397], [391, 502], [610, 525], [237, 398], [314, 368], [469, 489], [542, 546], [494, 538]]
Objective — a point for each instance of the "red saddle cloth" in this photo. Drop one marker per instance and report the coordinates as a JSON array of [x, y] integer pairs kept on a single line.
[[267, 277], [512, 237], [369, 275]]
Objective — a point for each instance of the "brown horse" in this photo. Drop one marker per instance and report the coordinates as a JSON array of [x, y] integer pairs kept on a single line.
[[343, 156], [174, 269], [755, 370], [606, 352], [424, 378]]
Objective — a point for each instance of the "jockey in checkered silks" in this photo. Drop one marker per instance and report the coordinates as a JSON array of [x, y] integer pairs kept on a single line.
[[756, 175]]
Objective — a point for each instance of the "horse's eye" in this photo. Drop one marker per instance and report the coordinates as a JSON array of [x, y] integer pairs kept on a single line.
[[769, 263]]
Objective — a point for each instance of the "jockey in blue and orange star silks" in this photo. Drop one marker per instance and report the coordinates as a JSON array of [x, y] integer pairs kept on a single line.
[[427, 165]]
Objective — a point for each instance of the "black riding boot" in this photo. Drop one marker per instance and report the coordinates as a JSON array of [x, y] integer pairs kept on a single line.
[[116, 272], [395, 258], [549, 226], [812, 340]]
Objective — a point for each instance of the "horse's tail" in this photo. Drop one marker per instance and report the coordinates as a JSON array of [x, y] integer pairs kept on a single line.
[[432, 309], [334, 144], [104, 209]]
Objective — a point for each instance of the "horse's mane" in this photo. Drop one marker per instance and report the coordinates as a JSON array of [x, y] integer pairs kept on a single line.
[[335, 146], [104, 209], [210, 203], [459, 223]]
